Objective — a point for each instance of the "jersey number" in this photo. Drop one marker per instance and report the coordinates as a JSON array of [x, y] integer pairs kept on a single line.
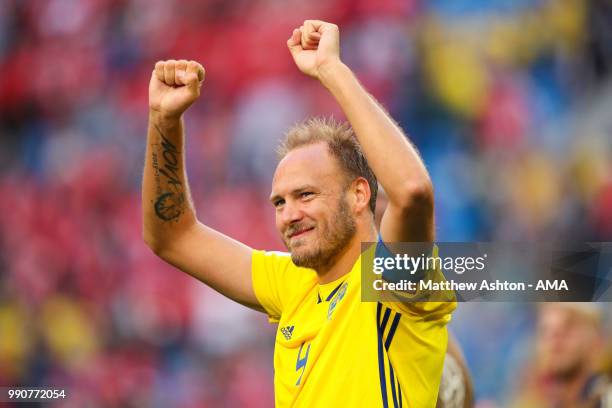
[[301, 362]]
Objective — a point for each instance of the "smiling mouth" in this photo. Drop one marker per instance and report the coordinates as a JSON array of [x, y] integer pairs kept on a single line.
[[300, 233]]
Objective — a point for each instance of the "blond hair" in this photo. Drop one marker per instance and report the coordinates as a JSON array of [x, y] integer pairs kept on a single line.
[[342, 145]]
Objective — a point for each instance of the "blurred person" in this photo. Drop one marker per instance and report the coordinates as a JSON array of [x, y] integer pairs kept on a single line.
[[568, 348], [456, 390], [331, 348], [606, 371]]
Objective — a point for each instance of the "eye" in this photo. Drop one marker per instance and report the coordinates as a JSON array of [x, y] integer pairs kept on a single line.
[[306, 194], [278, 203]]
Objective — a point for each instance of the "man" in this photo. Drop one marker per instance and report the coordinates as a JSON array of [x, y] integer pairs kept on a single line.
[[568, 346], [331, 348]]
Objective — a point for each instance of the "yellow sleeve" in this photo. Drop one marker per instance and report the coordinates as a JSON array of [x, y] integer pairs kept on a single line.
[[439, 312], [270, 283], [432, 305]]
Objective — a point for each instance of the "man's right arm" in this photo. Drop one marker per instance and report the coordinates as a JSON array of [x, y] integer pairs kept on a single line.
[[170, 226]]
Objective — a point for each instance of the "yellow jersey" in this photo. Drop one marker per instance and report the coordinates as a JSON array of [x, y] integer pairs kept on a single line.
[[333, 350]]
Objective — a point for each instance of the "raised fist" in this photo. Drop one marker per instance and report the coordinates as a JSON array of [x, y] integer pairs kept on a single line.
[[174, 86], [314, 45]]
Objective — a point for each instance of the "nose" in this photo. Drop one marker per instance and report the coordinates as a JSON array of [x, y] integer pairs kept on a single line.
[[291, 213]]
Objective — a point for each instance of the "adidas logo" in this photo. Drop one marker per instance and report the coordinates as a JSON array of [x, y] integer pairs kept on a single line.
[[287, 331]]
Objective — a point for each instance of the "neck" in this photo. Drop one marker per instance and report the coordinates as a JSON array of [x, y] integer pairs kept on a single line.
[[344, 261]]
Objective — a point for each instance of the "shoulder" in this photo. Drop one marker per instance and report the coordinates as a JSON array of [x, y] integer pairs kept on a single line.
[[277, 260], [280, 265]]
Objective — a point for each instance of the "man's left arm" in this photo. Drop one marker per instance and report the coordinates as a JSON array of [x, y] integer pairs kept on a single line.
[[393, 159]]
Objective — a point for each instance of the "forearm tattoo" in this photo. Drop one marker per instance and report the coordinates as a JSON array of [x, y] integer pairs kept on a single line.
[[170, 192]]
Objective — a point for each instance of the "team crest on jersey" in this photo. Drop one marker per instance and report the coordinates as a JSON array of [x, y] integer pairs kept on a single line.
[[287, 331], [336, 300]]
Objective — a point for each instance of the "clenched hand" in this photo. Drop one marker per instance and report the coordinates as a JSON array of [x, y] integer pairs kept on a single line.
[[314, 46], [174, 86]]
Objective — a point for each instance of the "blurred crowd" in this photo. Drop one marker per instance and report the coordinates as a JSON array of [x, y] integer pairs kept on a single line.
[[508, 102]]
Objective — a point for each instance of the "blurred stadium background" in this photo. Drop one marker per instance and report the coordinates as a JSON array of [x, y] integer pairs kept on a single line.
[[509, 102]]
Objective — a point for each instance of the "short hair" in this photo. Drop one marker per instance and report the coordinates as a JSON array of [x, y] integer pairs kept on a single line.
[[342, 144]]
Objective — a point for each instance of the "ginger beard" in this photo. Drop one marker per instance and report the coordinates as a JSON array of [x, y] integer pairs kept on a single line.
[[317, 248]]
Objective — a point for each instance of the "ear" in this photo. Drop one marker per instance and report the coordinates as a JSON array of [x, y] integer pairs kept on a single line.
[[361, 193]]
